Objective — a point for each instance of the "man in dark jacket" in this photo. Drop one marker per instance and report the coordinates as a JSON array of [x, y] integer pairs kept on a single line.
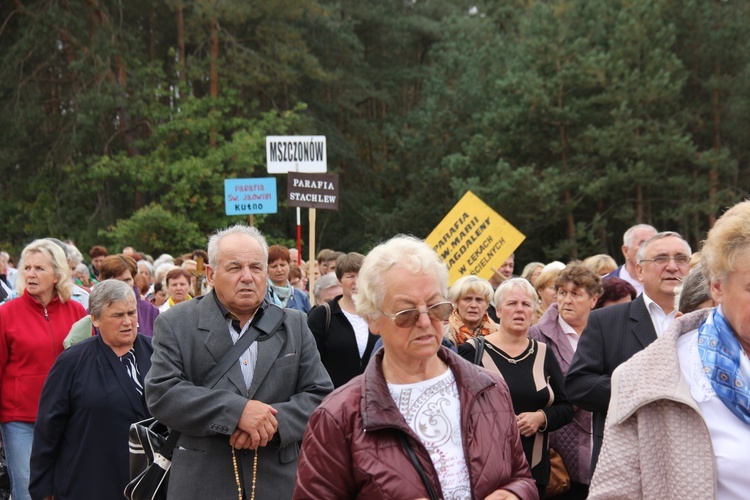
[[613, 334]]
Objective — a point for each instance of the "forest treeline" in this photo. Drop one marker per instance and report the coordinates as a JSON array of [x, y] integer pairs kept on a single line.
[[573, 119]]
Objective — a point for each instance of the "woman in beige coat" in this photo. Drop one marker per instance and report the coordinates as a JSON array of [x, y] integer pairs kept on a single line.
[[678, 424]]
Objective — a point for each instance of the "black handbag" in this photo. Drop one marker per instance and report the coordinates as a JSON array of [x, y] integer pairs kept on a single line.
[[4, 476], [151, 443], [150, 459]]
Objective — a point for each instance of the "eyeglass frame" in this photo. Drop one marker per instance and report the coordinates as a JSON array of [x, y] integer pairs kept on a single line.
[[393, 317], [667, 259]]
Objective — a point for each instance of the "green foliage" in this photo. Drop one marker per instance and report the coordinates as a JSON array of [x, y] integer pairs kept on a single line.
[[154, 230], [574, 119]]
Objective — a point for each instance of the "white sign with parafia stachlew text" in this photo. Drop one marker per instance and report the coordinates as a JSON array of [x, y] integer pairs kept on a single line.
[[296, 153]]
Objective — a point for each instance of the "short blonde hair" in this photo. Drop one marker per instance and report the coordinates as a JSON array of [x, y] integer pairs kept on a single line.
[[64, 286], [601, 263], [530, 268], [546, 279], [728, 240], [509, 285], [470, 284], [406, 251]]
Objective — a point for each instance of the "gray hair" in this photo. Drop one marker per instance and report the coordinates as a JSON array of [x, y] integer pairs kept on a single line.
[[509, 284], [74, 256], [160, 274], [324, 283], [641, 254], [147, 265], [107, 292], [409, 252], [213, 241], [81, 268], [693, 292], [164, 258], [627, 238], [56, 254]]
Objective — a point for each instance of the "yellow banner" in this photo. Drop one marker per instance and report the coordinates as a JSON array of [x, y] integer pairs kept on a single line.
[[474, 239]]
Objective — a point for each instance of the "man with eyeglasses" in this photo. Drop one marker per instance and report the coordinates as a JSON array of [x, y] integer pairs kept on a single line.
[[614, 334]]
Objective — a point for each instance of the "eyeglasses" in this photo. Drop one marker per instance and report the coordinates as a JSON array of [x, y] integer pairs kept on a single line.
[[663, 260], [408, 317]]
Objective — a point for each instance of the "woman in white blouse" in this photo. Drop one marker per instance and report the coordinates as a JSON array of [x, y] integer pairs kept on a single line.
[[678, 424]]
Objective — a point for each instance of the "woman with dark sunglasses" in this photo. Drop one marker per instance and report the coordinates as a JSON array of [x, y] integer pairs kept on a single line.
[[420, 422]]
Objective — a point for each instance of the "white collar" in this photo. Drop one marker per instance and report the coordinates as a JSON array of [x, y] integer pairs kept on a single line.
[[648, 301], [566, 328]]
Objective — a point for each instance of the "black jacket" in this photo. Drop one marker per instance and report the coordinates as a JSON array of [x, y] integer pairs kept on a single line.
[[88, 402], [612, 335], [338, 345]]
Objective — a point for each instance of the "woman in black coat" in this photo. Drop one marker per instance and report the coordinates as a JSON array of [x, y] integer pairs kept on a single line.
[[343, 338], [91, 396]]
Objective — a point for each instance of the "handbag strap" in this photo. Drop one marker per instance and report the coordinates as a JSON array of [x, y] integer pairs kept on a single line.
[[328, 316], [415, 462], [478, 349], [267, 323]]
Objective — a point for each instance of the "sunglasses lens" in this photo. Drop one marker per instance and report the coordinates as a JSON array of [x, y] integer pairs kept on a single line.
[[409, 317], [406, 319], [440, 312]]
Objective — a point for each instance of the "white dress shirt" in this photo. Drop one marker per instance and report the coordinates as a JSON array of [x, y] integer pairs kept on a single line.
[[659, 318]]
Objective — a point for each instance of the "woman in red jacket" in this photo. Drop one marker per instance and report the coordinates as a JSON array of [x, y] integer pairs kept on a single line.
[[32, 329], [420, 422]]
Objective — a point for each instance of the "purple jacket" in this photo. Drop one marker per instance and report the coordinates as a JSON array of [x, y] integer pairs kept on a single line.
[[572, 442], [147, 313]]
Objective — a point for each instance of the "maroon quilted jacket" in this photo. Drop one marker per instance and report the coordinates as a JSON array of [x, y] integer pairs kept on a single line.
[[572, 442], [351, 449]]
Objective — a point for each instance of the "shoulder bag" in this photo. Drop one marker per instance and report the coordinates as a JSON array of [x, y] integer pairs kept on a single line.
[[415, 462], [152, 443]]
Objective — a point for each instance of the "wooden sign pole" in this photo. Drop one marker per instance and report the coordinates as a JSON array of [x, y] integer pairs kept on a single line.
[[311, 261]]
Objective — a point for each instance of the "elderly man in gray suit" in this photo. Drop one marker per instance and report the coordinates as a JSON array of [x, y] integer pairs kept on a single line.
[[242, 436], [613, 334]]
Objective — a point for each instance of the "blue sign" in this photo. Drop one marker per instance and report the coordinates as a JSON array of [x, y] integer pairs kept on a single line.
[[250, 196]]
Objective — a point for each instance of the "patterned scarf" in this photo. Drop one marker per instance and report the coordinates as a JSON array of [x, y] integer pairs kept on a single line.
[[128, 361], [463, 333], [280, 294], [720, 353]]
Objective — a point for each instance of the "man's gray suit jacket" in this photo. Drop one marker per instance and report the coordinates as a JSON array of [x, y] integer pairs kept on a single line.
[[189, 339]]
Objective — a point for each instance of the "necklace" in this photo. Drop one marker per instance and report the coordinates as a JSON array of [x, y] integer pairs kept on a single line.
[[512, 361], [237, 474]]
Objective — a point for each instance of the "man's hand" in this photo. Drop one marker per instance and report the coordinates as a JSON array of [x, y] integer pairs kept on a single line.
[[256, 427], [241, 440], [530, 422]]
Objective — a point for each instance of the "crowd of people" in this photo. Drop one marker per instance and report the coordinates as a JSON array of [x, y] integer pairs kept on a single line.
[[369, 376]]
